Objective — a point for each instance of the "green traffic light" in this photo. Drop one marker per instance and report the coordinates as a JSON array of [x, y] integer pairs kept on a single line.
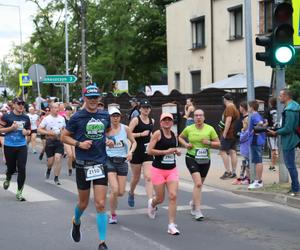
[[284, 54]]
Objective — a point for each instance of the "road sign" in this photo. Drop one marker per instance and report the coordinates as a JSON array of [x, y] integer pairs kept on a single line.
[[37, 72], [296, 22], [25, 80], [60, 79]]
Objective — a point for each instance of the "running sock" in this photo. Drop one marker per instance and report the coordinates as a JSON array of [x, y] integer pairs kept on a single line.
[[77, 215], [102, 225]]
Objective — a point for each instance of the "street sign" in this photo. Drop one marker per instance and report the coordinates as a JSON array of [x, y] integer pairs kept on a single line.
[[296, 22], [24, 80], [37, 72], [60, 79]]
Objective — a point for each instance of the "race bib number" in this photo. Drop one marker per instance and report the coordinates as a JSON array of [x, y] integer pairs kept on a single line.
[[94, 172], [202, 156], [168, 159]]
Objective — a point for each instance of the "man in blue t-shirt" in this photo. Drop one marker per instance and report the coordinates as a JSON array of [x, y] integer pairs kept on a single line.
[[86, 131], [15, 126]]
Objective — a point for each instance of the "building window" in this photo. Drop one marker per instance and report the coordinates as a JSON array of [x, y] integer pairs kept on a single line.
[[196, 81], [177, 81], [265, 16], [198, 32], [236, 22]]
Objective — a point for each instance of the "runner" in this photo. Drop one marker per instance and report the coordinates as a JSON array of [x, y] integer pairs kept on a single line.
[[198, 139], [16, 127], [69, 149], [86, 131], [43, 137], [141, 127], [51, 126], [33, 117], [164, 173], [117, 166]]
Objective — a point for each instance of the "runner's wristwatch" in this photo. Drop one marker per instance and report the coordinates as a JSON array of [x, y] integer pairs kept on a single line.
[[77, 144]]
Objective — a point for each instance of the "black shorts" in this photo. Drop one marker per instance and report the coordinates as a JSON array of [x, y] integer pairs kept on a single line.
[[228, 144], [139, 156], [194, 167], [121, 168], [54, 147], [43, 137], [82, 184], [33, 131]]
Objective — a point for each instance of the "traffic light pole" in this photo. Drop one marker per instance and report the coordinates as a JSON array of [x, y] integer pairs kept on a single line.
[[249, 68], [280, 84]]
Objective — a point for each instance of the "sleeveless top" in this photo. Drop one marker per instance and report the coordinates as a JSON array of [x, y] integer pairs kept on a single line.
[[142, 142], [165, 161], [121, 146]]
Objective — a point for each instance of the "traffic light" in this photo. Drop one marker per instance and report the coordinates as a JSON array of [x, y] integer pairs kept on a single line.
[[267, 56], [283, 32]]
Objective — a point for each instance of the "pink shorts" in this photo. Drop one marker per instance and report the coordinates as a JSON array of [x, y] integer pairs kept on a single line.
[[161, 176]]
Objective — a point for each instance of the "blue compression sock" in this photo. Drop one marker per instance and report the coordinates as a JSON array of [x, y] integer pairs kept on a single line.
[[77, 215], [102, 225]]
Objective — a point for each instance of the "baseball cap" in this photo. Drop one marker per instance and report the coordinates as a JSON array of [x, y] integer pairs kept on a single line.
[[18, 99], [145, 103], [91, 91], [114, 110], [166, 115], [228, 97], [133, 100]]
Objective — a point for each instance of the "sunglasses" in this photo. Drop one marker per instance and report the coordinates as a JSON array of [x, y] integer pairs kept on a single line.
[[92, 97], [21, 103]]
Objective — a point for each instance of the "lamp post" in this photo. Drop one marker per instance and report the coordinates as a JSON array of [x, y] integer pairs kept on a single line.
[[21, 42], [67, 50]]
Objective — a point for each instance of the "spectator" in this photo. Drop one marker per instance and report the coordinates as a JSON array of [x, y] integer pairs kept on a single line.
[[289, 139], [134, 112], [228, 137], [189, 109], [257, 141]]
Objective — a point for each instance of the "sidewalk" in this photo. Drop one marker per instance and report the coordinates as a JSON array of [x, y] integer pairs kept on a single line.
[[272, 191]]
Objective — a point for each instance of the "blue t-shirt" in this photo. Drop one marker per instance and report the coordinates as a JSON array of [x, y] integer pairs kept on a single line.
[[256, 138], [90, 126], [16, 138]]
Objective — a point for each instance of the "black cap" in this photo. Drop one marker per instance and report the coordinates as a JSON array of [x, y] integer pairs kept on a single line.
[[18, 99], [145, 103], [133, 100], [228, 97]]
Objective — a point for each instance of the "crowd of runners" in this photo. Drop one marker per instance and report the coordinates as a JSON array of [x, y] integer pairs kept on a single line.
[[101, 149]]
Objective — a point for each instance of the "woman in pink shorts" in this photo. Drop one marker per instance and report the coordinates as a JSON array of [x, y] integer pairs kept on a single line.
[[164, 173]]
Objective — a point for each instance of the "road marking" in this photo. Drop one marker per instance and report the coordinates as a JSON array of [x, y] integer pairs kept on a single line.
[[246, 204], [139, 190], [187, 207], [188, 187], [66, 184], [30, 194]]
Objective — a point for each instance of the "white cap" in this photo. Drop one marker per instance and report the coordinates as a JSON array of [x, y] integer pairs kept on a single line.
[[114, 110]]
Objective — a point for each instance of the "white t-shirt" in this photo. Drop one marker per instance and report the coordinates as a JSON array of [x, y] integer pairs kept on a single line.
[[53, 123], [33, 120]]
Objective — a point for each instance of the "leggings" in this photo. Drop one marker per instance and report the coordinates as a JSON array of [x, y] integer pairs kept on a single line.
[[16, 158]]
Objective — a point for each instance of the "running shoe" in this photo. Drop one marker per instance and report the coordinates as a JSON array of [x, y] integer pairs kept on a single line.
[[272, 168], [70, 172], [75, 232], [130, 200], [292, 194], [41, 156], [56, 180], [102, 246], [198, 215], [151, 210], [34, 152], [172, 229], [113, 219], [48, 173], [6, 184], [237, 181], [19, 196], [233, 175], [193, 208], [245, 181], [256, 185], [225, 176]]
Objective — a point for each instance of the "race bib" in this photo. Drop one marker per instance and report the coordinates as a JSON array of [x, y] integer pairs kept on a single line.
[[119, 144], [202, 156], [168, 159], [94, 172]]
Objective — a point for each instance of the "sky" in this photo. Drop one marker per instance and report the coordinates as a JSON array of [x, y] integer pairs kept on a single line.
[[9, 23]]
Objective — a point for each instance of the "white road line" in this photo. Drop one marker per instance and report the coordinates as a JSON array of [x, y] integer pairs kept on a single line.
[[186, 186], [246, 204], [66, 184], [186, 207], [139, 190], [30, 194], [132, 211]]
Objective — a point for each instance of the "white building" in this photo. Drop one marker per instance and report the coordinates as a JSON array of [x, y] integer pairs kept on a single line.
[[206, 41]]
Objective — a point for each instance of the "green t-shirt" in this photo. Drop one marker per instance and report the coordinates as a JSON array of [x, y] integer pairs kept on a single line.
[[195, 136]]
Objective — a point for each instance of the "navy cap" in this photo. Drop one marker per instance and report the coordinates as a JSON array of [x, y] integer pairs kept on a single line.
[[145, 103], [91, 90]]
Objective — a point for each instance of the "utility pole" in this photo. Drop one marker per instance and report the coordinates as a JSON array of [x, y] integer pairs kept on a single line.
[[83, 45], [67, 50], [249, 67]]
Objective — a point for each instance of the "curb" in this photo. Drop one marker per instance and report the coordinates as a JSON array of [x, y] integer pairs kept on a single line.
[[272, 197]]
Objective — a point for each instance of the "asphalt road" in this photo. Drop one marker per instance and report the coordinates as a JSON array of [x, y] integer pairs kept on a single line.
[[232, 221]]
